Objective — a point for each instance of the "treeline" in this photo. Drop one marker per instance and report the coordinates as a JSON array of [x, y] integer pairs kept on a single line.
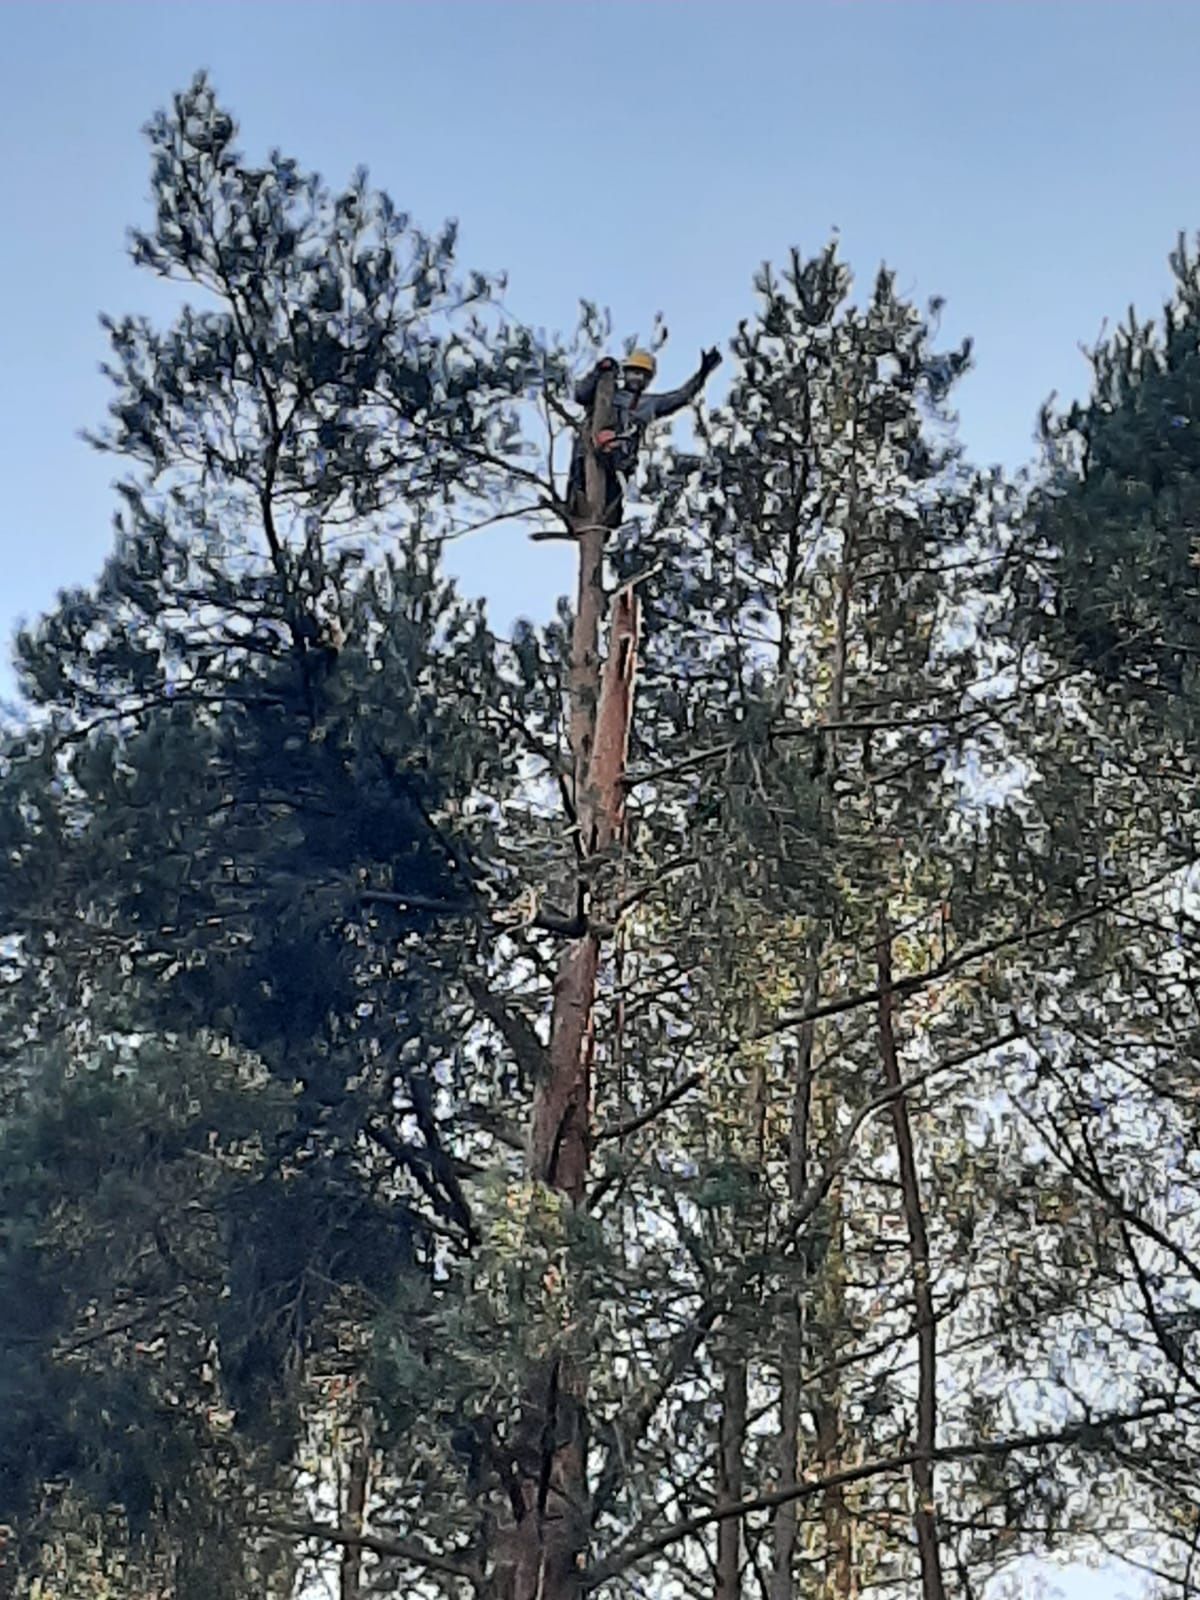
[[878, 1267]]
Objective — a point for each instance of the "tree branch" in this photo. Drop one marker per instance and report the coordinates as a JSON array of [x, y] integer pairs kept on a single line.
[[1085, 1431], [545, 921], [379, 1545], [952, 964], [620, 1130], [685, 1346], [530, 1054]]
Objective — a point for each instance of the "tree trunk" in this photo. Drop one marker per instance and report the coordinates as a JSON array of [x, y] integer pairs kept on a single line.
[[730, 1479], [786, 1524], [350, 1573], [925, 1516], [791, 1355], [840, 1576], [550, 1494]]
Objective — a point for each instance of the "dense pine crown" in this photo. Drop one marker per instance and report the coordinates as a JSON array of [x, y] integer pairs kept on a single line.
[[1120, 503], [886, 1271]]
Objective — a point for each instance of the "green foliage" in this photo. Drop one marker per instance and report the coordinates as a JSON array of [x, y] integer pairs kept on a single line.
[[1119, 509], [250, 833], [273, 999], [119, 1172]]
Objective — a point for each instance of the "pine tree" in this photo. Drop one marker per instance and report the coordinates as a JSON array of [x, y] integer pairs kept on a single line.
[[250, 831], [1098, 587], [441, 1157], [808, 568], [1114, 517]]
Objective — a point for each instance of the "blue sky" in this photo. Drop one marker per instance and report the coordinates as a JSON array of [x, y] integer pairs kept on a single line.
[[1032, 163]]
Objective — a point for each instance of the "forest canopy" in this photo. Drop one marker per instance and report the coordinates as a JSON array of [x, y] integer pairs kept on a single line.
[[696, 1098]]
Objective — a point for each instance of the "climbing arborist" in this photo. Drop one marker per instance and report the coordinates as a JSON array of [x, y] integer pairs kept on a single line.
[[633, 410]]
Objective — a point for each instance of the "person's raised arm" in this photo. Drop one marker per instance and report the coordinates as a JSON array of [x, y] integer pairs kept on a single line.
[[666, 405]]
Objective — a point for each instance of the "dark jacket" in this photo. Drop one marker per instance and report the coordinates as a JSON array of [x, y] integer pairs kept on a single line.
[[632, 413]]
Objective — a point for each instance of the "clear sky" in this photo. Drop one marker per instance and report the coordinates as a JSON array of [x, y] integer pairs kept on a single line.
[[1032, 162]]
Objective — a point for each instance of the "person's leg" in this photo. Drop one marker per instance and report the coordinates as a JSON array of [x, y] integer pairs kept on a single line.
[[614, 497], [577, 484]]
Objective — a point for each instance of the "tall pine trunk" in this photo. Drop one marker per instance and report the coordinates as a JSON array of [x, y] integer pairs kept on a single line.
[[792, 1346], [353, 1516], [840, 1576], [730, 1474], [731, 1438], [550, 1496], [924, 1515], [841, 1579]]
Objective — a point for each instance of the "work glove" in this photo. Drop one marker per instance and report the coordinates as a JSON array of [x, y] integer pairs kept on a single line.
[[605, 364], [709, 360]]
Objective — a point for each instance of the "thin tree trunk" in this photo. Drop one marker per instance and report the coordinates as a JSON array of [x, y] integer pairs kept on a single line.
[[730, 1484], [284, 1574], [550, 1493], [731, 1441], [840, 1575], [924, 1516], [350, 1573], [786, 1524]]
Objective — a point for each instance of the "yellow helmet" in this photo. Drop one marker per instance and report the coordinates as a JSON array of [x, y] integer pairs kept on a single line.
[[641, 361]]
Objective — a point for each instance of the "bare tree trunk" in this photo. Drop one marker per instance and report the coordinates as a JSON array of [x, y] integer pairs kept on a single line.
[[731, 1440], [559, 1145], [283, 1572], [730, 1483], [840, 1574], [350, 1573], [550, 1492], [786, 1524], [924, 1516]]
